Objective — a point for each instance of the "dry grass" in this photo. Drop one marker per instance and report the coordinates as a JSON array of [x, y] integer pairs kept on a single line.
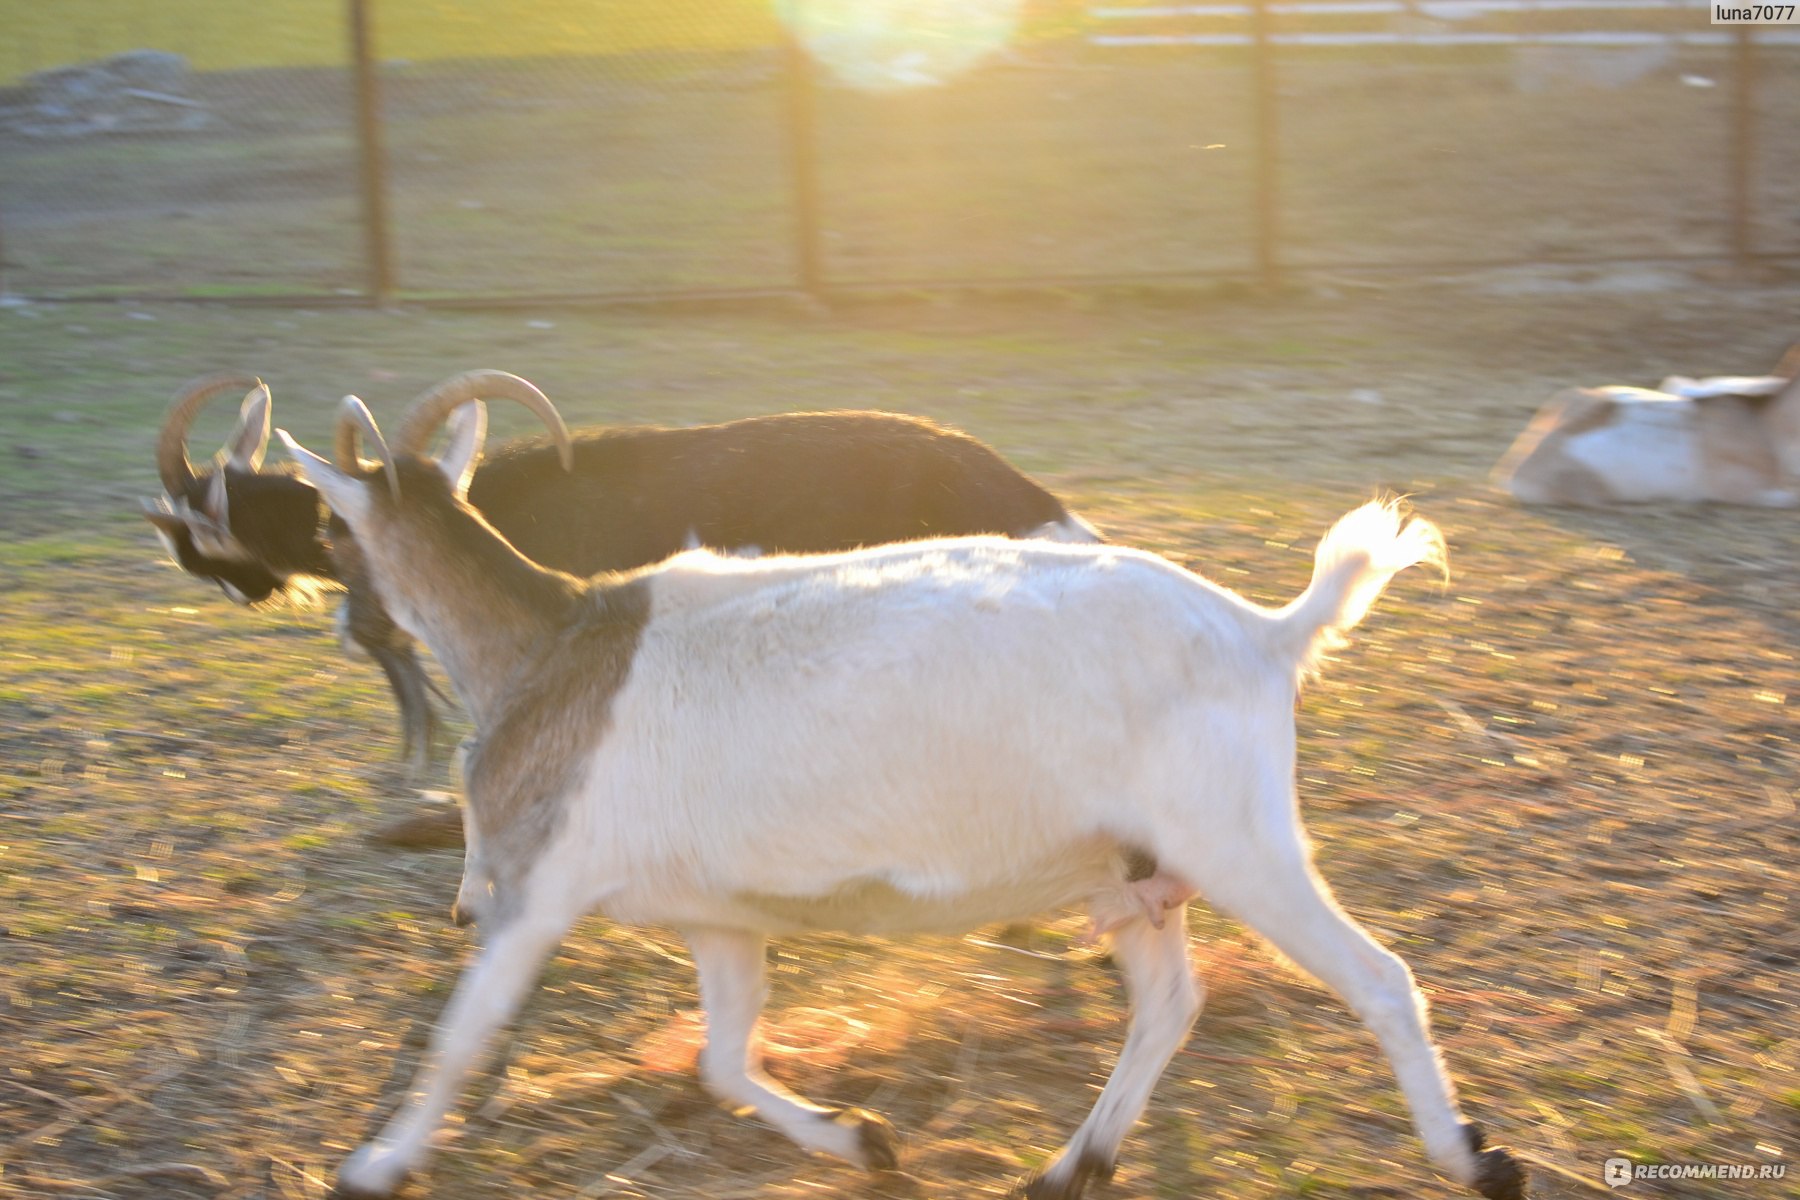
[[1564, 788]]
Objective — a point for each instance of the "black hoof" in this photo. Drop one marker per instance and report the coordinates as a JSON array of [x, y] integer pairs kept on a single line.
[[1477, 1139], [1098, 1168], [1041, 1185], [876, 1138], [1037, 1186], [1499, 1176]]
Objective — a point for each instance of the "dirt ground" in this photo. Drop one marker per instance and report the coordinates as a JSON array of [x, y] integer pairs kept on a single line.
[[1563, 786]]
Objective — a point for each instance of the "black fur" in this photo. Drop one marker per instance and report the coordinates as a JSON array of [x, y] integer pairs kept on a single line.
[[798, 483], [253, 582], [276, 518]]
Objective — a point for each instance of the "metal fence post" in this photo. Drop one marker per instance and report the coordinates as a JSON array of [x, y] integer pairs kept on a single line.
[[803, 161], [1264, 101], [372, 166], [1743, 146]]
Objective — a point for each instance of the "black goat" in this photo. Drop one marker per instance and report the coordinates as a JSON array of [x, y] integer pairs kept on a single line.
[[789, 483], [248, 531]]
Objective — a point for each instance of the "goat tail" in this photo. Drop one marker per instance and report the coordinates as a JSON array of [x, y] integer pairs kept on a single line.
[[1351, 569]]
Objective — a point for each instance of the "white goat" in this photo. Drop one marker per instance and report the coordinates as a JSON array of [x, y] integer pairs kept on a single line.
[[1732, 439], [928, 736]]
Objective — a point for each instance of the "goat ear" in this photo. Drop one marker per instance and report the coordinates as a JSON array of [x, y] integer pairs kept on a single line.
[[468, 431], [344, 494], [159, 514], [168, 525], [217, 504], [250, 440]]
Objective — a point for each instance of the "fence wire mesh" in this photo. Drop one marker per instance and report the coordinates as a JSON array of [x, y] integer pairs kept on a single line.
[[217, 181], [656, 171], [1503, 160], [547, 147]]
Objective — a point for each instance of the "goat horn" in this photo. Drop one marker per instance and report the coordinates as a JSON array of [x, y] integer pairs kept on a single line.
[[433, 407], [171, 444], [354, 419]]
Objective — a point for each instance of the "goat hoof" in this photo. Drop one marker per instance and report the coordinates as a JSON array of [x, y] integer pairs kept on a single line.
[[372, 1173], [1499, 1176], [876, 1139], [1052, 1183]]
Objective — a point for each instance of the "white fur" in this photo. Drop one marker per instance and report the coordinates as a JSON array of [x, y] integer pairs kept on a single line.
[[1722, 385], [934, 736], [1729, 439], [1651, 451]]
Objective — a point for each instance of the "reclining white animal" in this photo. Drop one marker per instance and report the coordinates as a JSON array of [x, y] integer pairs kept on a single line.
[[1728, 440], [928, 736]]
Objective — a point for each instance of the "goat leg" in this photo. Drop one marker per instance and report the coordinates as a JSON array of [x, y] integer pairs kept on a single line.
[[733, 987], [412, 691], [1165, 1000], [1272, 887], [486, 998], [366, 625]]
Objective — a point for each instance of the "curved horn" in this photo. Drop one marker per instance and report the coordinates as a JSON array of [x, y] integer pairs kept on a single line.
[[171, 444], [354, 419], [424, 415], [346, 443]]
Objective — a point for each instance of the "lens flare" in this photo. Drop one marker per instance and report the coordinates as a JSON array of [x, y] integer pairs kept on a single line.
[[890, 45]]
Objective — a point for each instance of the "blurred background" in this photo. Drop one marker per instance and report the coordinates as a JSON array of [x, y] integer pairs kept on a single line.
[[623, 147]]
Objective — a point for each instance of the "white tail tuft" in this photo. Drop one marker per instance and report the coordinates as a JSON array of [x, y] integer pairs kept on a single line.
[[1354, 563]]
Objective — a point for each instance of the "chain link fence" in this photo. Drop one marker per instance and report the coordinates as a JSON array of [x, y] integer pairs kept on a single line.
[[205, 148]]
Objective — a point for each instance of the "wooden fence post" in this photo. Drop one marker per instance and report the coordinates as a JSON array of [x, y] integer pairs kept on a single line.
[[372, 165], [1743, 147]]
